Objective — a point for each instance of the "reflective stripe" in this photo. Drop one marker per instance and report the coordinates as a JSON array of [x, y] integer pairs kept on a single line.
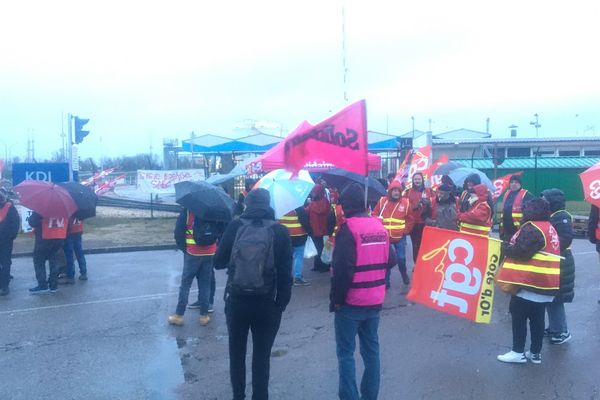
[[530, 285], [476, 227], [545, 257], [531, 268], [292, 225]]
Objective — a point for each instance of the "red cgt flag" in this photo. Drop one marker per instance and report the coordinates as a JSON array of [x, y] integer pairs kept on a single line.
[[501, 184], [455, 273], [590, 179], [340, 140], [436, 180]]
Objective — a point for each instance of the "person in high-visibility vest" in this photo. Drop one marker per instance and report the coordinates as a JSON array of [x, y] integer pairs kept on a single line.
[[73, 244], [532, 272], [395, 213], [10, 223], [197, 262], [50, 234], [478, 218], [296, 222], [562, 221], [594, 229], [512, 205]]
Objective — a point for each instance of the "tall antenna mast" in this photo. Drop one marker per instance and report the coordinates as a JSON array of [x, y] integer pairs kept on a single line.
[[344, 53]]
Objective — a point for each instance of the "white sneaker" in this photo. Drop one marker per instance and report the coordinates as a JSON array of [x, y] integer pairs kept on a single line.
[[512, 357], [535, 358]]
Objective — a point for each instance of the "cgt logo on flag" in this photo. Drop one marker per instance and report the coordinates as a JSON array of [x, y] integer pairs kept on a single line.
[[455, 273]]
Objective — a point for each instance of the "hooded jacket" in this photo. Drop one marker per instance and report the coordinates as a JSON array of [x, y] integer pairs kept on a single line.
[[282, 249], [344, 252], [318, 211], [399, 209], [479, 213], [562, 221], [444, 212]]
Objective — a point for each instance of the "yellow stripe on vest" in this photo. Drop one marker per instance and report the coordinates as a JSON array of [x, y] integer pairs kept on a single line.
[[531, 268]]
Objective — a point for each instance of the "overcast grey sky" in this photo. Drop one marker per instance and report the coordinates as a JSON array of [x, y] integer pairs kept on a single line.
[[142, 71]]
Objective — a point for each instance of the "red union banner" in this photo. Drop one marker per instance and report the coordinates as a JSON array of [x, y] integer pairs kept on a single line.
[[340, 140], [455, 273], [590, 179]]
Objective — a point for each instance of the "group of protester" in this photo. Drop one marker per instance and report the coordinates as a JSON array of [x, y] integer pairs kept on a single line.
[[51, 237], [264, 258]]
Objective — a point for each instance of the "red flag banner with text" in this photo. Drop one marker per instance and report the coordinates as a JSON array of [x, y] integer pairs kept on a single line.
[[501, 184], [455, 273], [436, 180], [402, 173], [340, 140], [420, 162]]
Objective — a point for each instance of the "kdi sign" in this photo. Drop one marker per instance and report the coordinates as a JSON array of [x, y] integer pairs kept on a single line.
[[51, 172]]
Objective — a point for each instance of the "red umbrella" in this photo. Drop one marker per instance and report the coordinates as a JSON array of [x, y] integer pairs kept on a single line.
[[590, 179], [45, 198]]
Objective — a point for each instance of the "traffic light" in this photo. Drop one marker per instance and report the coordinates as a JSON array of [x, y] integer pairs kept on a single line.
[[79, 133]]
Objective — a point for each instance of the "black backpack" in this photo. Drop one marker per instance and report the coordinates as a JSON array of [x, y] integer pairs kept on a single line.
[[252, 265], [206, 233]]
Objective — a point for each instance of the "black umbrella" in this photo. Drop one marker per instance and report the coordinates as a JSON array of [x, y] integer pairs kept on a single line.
[[84, 197], [208, 202], [340, 178]]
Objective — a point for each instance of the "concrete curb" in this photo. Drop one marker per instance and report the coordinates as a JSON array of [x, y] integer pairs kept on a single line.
[[107, 250]]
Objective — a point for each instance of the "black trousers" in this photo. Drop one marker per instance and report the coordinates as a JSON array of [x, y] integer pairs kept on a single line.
[[521, 311], [318, 264], [415, 239], [42, 252], [6, 247], [262, 317]]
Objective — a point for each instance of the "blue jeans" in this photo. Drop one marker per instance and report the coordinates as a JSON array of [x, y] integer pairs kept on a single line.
[[202, 268], [298, 261], [400, 248], [557, 318], [73, 243], [349, 321]]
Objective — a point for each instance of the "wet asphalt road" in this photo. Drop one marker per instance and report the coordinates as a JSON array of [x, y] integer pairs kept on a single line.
[[107, 338]]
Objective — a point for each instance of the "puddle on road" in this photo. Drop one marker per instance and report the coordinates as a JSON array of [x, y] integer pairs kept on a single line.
[[164, 373]]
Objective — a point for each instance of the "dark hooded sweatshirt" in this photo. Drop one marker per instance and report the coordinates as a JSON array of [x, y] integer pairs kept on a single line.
[[282, 252], [563, 223]]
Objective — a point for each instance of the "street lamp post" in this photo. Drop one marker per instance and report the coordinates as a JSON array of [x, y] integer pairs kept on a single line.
[[536, 124]]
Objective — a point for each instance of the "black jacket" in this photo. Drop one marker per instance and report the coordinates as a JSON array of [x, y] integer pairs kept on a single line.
[[282, 252], [592, 224], [9, 228], [343, 263], [508, 227], [563, 223]]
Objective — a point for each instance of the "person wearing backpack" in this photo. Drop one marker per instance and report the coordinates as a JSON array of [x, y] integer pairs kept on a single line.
[[197, 239], [257, 253]]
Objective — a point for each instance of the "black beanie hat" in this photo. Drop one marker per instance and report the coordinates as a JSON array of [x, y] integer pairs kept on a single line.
[[352, 199], [516, 178], [258, 198]]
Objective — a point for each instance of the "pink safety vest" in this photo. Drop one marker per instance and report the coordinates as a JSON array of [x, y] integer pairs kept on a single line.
[[372, 254]]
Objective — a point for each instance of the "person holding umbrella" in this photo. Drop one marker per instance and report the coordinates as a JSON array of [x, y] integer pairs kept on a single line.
[[318, 210], [50, 235], [10, 223], [207, 208], [52, 207], [86, 201]]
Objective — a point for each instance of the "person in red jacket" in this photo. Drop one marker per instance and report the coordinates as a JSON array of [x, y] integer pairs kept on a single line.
[[395, 213], [318, 210], [419, 198], [478, 218]]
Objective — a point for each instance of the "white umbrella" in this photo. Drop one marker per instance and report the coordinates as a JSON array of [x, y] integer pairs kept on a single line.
[[287, 193]]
